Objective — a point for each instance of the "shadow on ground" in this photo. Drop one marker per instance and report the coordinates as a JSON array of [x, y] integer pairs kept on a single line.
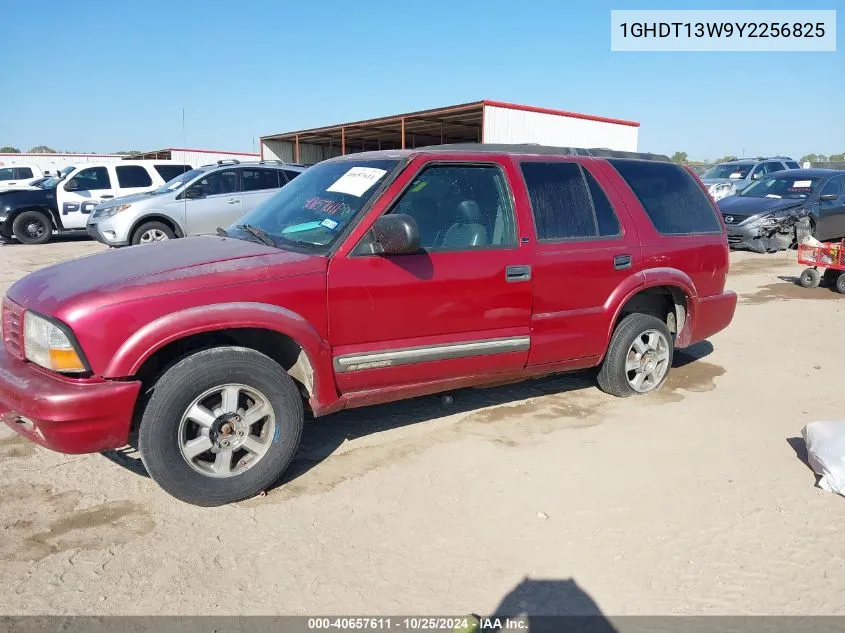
[[550, 606], [322, 437]]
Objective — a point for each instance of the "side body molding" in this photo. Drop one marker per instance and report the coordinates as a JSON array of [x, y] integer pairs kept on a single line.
[[172, 327]]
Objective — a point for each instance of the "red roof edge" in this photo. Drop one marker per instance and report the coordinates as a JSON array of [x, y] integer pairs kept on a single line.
[[207, 151], [574, 115]]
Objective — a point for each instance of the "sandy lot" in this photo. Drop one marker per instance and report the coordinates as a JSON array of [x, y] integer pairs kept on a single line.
[[546, 496]]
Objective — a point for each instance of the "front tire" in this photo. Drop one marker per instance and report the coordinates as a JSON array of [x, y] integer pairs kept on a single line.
[[150, 232], [221, 425], [840, 284], [638, 358], [32, 227]]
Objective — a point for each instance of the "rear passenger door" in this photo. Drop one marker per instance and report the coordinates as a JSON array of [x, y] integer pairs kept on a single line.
[[586, 247], [132, 179], [258, 184]]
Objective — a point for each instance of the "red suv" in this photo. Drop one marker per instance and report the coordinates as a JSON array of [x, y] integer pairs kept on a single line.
[[371, 277]]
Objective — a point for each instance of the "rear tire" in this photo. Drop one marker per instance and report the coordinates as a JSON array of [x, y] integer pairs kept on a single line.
[[638, 358], [150, 232], [840, 284], [32, 227], [810, 278], [206, 400], [831, 277]]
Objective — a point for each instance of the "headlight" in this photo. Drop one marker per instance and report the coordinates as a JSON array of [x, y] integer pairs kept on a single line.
[[722, 190], [46, 344], [110, 211]]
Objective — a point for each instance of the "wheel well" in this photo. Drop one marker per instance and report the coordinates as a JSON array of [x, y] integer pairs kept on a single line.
[[50, 215], [281, 348], [168, 222], [667, 303]]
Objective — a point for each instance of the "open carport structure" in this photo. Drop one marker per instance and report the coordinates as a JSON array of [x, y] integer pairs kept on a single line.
[[479, 122]]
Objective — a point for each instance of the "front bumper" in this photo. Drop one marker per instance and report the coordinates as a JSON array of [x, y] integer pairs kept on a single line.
[[99, 233], [753, 238], [65, 415]]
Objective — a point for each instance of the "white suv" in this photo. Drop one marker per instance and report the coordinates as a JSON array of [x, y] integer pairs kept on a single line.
[[33, 215], [12, 176]]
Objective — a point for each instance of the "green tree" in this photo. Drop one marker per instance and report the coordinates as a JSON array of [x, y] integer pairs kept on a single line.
[[836, 158], [133, 152], [679, 157], [8, 149], [725, 159], [42, 149]]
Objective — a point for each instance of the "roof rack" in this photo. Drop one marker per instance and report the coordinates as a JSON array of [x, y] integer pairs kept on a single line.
[[274, 161], [535, 148], [229, 161]]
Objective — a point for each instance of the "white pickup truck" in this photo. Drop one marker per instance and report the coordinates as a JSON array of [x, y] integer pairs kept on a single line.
[[32, 215], [12, 176]]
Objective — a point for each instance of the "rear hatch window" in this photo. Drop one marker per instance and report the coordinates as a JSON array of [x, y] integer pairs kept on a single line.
[[673, 201]]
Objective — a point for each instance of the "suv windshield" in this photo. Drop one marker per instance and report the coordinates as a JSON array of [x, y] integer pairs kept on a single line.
[[733, 171], [179, 181], [314, 208], [789, 187]]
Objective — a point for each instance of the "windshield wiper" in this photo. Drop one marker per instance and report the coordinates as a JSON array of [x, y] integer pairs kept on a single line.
[[222, 232], [254, 230]]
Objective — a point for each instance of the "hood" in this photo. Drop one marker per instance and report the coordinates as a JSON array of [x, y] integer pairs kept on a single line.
[[744, 206], [179, 265], [736, 182], [16, 198], [134, 197]]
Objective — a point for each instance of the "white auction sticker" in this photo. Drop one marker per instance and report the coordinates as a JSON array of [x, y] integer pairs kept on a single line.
[[357, 180], [802, 183]]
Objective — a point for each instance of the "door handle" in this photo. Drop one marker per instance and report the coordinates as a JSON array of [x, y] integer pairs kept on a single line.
[[622, 262], [232, 201], [518, 273], [106, 197]]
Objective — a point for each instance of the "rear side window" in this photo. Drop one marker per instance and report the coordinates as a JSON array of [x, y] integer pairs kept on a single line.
[[169, 172], [129, 176], [790, 164], [672, 199], [24, 172], [259, 179], [567, 202], [291, 174]]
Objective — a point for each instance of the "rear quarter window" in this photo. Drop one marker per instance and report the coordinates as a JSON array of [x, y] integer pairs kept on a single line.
[[673, 201]]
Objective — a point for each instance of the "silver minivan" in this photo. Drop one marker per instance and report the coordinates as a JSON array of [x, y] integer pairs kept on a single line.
[[193, 203]]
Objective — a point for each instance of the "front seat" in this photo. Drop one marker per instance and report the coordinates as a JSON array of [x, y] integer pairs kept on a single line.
[[467, 229]]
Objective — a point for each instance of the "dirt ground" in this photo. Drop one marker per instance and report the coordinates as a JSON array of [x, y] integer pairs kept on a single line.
[[546, 496]]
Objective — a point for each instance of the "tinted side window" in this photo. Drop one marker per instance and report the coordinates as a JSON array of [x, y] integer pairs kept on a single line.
[[792, 165], [834, 185], [169, 172], [563, 200], [7, 173], [773, 167], [24, 172], [291, 174], [217, 183], [258, 179], [92, 179], [459, 207], [132, 176], [673, 201]]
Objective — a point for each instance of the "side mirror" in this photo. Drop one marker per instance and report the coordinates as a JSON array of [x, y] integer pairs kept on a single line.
[[828, 197], [193, 193], [72, 185], [396, 234]]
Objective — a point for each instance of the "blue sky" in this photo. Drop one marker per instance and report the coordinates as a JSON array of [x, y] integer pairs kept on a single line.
[[103, 76]]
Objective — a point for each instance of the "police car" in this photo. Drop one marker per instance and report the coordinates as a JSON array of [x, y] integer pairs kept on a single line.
[[32, 216]]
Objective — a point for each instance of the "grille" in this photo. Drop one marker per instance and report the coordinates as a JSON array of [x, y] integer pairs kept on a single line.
[[13, 328], [736, 218]]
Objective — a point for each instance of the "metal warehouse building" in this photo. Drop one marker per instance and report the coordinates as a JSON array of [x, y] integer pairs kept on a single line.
[[194, 157], [478, 122]]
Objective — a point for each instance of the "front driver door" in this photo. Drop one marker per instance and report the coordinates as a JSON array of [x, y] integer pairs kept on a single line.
[[831, 225], [218, 201], [82, 192], [460, 307]]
